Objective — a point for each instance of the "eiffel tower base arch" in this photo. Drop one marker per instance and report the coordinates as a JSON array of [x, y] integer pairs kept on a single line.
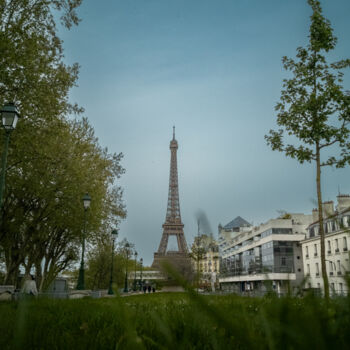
[[171, 262]]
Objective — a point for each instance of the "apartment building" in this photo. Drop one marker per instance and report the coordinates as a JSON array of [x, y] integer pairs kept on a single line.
[[205, 256], [337, 241], [258, 258]]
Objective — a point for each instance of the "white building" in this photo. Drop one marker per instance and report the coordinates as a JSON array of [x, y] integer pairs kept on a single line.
[[262, 257], [205, 259], [337, 241]]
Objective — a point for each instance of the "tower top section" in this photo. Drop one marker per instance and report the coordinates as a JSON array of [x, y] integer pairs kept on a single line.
[[173, 142], [173, 210]]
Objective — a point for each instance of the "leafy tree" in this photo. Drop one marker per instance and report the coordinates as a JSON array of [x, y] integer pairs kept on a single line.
[[315, 109], [42, 217], [32, 71], [53, 161], [99, 264]]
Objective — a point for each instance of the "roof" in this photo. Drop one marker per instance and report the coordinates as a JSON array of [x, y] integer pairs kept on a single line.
[[236, 223], [325, 218]]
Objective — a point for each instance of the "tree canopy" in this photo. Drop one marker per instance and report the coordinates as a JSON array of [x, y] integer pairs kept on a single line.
[[54, 156]]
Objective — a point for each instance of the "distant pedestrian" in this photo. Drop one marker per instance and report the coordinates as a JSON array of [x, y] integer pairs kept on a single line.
[[149, 289], [29, 286], [144, 289], [153, 290]]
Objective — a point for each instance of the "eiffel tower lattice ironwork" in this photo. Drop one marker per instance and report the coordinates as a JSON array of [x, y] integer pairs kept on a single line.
[[173, 225]]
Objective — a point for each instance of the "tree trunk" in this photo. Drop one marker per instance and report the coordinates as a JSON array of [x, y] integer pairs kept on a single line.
[[320, 220]]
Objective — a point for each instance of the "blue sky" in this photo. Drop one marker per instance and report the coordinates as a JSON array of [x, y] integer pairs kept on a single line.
[[213, 69]]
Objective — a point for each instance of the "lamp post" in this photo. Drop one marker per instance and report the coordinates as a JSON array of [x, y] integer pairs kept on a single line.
[[81, 281], [141, 262], [110, 289], [135, 255], [9, 117], [126, 268]]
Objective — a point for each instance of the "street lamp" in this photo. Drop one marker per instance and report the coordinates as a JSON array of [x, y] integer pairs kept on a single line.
[[9, 117], [114, 235], [141, 262], [81, 284], [127, 246], [135, 254]]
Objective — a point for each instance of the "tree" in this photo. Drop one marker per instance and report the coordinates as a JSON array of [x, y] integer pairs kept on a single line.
[[32, 71], [99, 264], [52, 160], [42, 217], [34, 76], [315, 109]]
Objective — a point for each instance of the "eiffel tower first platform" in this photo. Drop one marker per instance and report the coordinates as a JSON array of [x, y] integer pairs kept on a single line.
[[173, 226]]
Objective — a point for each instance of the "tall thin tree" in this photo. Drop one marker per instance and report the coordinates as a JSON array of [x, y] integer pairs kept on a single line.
[[315, 109]]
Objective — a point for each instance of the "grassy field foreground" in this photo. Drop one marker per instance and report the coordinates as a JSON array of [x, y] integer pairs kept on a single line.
[[176, 321]]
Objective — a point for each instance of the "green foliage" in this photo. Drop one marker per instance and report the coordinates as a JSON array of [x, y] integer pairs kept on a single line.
[[314, 110], [314, 107], [43, 216], [176, 321], [32, 72], [99, 262], [52, 160]]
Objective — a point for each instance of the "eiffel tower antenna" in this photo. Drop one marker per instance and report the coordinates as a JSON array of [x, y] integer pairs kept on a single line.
[[173, 225]]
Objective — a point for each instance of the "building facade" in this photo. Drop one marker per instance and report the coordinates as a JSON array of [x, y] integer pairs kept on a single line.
[[205, 258], [337, 242], [265, 257]]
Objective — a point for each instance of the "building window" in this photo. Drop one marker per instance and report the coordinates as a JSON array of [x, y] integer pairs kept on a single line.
[[336, 245], [283, 261], [308, 269], [341, 288], [325, 228], [329, 247], [319, 285], [345, 244], [315, 249], [345, 221], [333, 225], [312, 232], [307, 251], [338, 267], [332, 287], [331, 267], [317, 270]]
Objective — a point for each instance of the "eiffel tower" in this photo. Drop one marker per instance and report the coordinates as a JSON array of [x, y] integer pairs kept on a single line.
[[173, 225]]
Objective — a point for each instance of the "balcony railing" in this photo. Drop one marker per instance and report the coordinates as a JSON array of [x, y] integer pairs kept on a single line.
[[256, 271]]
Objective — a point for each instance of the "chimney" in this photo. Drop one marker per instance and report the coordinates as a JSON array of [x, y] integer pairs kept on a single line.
[[328, 209], [343, 202], [314, 215]]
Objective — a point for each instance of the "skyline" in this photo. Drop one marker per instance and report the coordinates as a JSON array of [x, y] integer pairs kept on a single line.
[[214, 71]]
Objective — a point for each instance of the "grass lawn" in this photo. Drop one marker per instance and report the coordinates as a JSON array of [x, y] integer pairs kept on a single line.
[[176, 321]]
